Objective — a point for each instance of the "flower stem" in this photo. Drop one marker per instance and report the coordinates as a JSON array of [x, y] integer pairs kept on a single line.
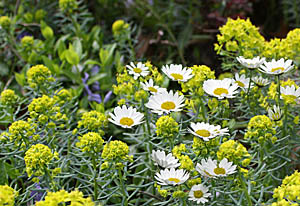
[[245, 189], [248, 90], [95, 178], [285, 120], [123, 189], [278, 89]]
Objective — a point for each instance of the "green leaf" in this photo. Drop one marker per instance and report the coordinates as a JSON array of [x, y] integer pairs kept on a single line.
[[185, 36], [77, 46], [20, 78], [4, 70], [90, 61], [96, 78], [72, 57]]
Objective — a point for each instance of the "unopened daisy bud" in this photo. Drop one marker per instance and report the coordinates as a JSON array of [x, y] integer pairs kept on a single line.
[[163, 160]]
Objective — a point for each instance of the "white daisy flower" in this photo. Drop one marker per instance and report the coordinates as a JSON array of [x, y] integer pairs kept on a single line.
[[205, 130], [242, 81], [220, 132], [165, 102], [177, 73], [290, 92], [205, 164], [163, 160], [138, 70], [172, 176], [223, 169], [251, 63], [260, 81], [220, 88], [149, 86], [277, 67], [275, 113], [126, 117], [199, 193]]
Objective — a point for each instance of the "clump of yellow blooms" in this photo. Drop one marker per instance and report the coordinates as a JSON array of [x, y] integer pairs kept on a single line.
[[140, 95], [37, 159], [288, 193], [155, 74], [119, 26], [234, 151], [67, 5], [63, 197], [293, 43], [166, 127], [62, 96], [94, 121], [8, 97], [125, 86], [241, 38], [204, 148], [179, 194], [20, 131], [185, 161], [275, 49], [162, 192], [193, 182], [90, 142], [7, 195], [39, 75], [260, 128], [5, 22], [27, 42], [44, 108], [116, 150], [194, 85]]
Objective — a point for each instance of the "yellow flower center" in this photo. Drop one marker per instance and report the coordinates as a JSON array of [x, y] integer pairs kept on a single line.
[[219, 171], [168, 105], [241, 84], [137, 70], [198, 194], [277, 68], [177, 76], [126, 121], [289, 98], [220, 91], [172, 179], [203, 133], [152, 89]]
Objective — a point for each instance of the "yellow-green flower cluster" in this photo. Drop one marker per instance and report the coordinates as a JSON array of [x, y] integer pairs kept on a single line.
[[44, 108], [39, 75], [162, 192], [119, 26], [67, 5], [289, 191], [240, 37], [260, 128], [293, 44], [37, 159], [125, 86], [27, 42], [234, 151], [7, 195], [94, 121], [62, 96], [194, 85], [5, 22], [204, 148], [90, 142], [166, 127], [185, 161], [140, 95], [193, 182], [62, 197], [116, 150], [20, 132], [179, 194], [8, 97], [275, 49], [155, 74]]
